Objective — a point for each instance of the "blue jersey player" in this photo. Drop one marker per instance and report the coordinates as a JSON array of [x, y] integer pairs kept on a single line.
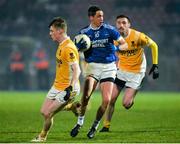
[[101, 66]]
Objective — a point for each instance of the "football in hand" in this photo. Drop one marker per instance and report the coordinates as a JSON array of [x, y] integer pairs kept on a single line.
[[82, 42]]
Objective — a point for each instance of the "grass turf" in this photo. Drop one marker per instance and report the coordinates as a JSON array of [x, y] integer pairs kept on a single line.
[[155, 117]]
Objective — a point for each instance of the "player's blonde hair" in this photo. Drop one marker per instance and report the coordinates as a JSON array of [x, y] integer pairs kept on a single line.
[[59, 23]]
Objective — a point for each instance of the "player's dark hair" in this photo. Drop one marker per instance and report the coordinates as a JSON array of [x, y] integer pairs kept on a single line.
[[123, 16], [92, 10], [58, 22]]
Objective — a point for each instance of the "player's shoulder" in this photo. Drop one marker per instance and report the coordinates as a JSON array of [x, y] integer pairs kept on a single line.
[[70, 50], [70, 46], [85, 29], [108, 26], [139, 36], [137, 32]]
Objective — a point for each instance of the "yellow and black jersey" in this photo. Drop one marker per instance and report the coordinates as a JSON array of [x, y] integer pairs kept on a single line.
[[66, 55], [133, 59]]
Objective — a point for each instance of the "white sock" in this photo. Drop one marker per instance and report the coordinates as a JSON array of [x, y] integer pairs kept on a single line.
[[96, 124], [80, 120]]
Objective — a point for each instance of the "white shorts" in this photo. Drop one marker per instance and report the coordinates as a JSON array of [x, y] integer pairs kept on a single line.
[[132, 80], [101, 71], [59, 95]]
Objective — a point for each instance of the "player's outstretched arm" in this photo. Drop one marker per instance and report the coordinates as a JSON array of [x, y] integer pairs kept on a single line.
[[154, 68]]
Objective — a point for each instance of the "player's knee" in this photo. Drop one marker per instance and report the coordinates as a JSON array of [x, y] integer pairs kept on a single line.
[[42, 112], [127, 104], [46, 114]]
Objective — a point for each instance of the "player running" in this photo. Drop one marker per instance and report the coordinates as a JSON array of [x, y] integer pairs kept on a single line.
[[101, 66], [66, 84], [131, 66]]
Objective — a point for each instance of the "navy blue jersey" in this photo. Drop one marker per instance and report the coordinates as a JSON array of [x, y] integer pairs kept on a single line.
[[102, 48]]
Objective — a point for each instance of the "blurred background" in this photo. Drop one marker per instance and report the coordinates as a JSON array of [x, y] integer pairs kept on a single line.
[[27, 54]]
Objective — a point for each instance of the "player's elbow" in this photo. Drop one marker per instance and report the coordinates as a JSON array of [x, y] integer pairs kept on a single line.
[[154, 45]]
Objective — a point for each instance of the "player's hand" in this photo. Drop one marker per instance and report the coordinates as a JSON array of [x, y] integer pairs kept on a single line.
[[81, 44], [154, 70], [68, 92], [123, 46]]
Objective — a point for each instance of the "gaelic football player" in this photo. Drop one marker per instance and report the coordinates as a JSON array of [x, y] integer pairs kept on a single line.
[[131, 66], [66, 83], [101, 65]]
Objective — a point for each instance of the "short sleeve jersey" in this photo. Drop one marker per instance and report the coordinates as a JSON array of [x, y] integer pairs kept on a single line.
[[66, 55], [102, 47], [133, 59]]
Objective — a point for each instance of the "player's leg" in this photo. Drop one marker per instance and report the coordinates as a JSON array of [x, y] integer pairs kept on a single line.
[[133, 83], [111, 106], [47, 122], [106, 91], [107, 77], [57, 105], [128, 99], [73, 106], [89, 86], [117, 87]]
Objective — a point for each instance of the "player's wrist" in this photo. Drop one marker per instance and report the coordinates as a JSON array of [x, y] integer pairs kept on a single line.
[[154, 71], [155, 65], [68, 91], [70, 88]]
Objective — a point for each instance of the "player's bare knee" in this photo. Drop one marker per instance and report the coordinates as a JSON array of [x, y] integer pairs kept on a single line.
[[46, 114], [42, 111], [127, 105]]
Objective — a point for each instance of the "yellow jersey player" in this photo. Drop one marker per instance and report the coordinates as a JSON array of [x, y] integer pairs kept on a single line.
[[131, 66], [66, 83]]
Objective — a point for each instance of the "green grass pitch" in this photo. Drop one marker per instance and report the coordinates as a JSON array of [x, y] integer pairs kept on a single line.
[[155, 117]]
